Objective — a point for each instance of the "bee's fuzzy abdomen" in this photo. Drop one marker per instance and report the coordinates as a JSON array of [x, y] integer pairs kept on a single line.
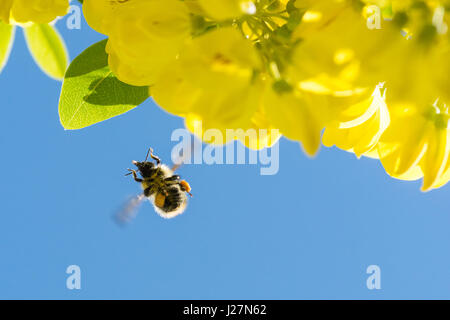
[[174, 199]]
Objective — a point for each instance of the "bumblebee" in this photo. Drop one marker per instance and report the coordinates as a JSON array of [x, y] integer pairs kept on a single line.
[[165, 190]]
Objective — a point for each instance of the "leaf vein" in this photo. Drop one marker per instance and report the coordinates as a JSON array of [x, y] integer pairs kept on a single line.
[[84, 101]]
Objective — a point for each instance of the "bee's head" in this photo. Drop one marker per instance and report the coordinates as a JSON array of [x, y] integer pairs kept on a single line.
[[145, 168]]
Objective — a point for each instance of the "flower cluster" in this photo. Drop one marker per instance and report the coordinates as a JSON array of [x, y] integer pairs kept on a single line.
[[44, 42], [36, 11], [314, 69]]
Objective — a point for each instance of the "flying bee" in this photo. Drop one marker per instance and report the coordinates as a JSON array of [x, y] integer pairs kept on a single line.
[[161, 186]]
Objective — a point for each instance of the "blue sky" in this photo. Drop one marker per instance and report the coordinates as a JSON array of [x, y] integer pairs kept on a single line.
[[308, 232]]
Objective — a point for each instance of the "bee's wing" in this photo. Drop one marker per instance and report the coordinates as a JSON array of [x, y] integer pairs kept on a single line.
[[129, 210]]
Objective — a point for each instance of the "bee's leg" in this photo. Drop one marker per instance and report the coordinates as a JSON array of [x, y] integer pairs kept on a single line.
[[150, 152], [184, 186], [133, 172], [148, 192], [172, 178]]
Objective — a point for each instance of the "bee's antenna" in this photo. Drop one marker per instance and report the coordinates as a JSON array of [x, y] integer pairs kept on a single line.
[[150, 153], [150, 150]]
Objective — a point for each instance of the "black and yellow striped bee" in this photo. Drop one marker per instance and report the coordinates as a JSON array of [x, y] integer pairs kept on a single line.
[[165, 190]]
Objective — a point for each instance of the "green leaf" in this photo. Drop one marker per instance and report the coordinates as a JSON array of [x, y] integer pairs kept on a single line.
[[91, 93], [6, 41], [48, 49]]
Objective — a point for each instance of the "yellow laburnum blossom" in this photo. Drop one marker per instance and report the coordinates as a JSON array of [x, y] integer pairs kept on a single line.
[[96, 11], [213, 81], [405, 5], [415, 17], [360, 127], [417, 144], [37, 11], [324, 81], [262, 64], [337, 60], [144, 36], [342, 57], [5, 10], [318, 14], [300, 116], [394, 5], [255, 132], [227, 9], [276, 16], [439, 66]]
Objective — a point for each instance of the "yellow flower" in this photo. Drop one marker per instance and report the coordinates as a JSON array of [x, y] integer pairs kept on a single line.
[[250, 65], [417, 144], [209, 74], [415, 17], [96, 11], [360, 126], [144, 36], [5, 10], [268, 134], [255, 132], [334, 65], [214, 81], [38, 11], [300, 116], [393, 5], [404, 5], [318, 14], [342, 57], [441, 69], [227, 9]]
